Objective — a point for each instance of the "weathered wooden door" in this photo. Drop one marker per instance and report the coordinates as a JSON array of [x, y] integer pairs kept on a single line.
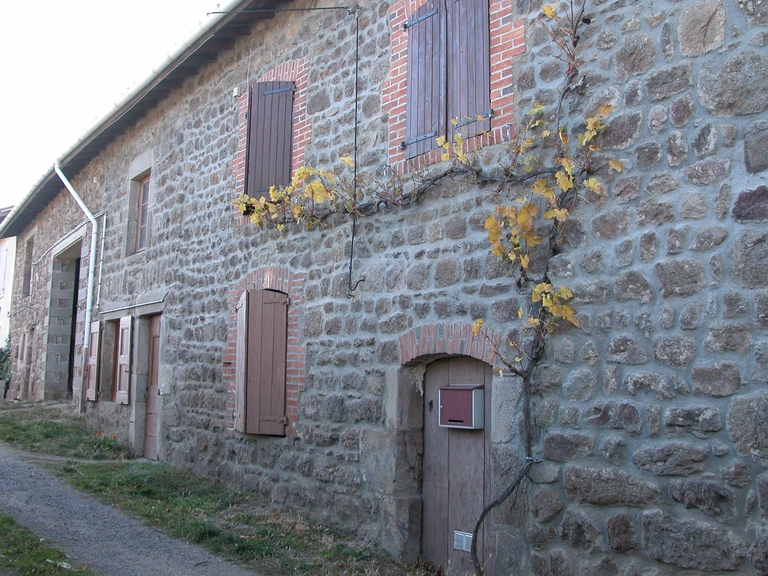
[[151, 416], [456, 472]]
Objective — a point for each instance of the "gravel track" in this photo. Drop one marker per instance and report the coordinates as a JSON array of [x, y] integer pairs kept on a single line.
[[93, 534]]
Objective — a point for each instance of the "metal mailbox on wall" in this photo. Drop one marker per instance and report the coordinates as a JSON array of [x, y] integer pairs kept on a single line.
[[462, 407]]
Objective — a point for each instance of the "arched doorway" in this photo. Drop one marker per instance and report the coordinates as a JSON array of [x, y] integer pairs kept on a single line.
[[456, 471]]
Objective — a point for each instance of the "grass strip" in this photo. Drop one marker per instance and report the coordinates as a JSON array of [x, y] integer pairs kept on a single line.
[[234, 524], [230, 523], [54, 431], [27, 555]]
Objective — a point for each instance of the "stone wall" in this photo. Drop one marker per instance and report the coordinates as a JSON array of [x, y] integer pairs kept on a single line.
[[650, 420], [652, 417]]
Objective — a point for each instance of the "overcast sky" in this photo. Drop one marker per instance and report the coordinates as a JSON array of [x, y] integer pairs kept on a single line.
[[65, 63]]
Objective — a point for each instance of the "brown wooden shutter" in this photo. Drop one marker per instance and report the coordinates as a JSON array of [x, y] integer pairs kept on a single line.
[[267, 345], [241, 359], [123, 370], [270, 135], [469, 76], [92, 370], [426, 99]]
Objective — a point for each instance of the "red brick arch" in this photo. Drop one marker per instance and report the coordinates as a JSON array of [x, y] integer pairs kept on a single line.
[[448, 338]]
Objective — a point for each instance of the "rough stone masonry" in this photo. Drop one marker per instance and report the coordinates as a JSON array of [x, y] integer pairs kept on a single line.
[[651, 420]]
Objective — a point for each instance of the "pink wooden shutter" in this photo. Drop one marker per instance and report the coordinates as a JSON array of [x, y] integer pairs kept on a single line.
[[469, 75], [426, 97], [123, 373], [241, 366], [270, 136], [267, 346], [92, 370]]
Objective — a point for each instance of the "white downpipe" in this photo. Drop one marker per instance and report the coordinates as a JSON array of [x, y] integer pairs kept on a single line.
[[91, 264]]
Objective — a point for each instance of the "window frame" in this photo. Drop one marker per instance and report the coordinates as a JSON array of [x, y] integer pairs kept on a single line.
[[271, 118], [26, 279], [446, 66], [143, 191]]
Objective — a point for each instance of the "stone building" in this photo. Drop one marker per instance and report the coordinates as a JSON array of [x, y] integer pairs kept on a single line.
[[260, 357]]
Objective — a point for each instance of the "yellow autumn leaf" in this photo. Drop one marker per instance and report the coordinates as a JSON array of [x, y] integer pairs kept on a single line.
[[525, 260], [540, 289], [616, 165], [318, 191], [445, 156], [455, 121], [559, 214], [532, 239], [520, 312], [594, 185], [565, 293], [458, 139], [539, 186], [568, 165], [477, 325], [594, 124], [534, 322], [564, 182], [348, 161], [525, 216], [440, 141], [548, 11]]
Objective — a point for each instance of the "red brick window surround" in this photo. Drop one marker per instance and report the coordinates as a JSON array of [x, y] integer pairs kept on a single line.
[[295, 71], [292, 284], [507, 39]]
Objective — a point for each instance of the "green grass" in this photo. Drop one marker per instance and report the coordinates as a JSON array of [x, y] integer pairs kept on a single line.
[[54, 431], [233, 524], [228, 522], [27, 555]]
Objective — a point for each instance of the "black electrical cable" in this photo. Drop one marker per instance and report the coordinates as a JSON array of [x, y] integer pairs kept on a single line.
[[350, 287]]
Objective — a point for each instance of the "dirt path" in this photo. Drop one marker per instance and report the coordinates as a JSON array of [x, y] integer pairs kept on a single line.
[[92, 534]]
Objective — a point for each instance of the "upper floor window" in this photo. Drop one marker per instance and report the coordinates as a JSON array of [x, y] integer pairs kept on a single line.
[[448, 73], [26, 280], [270, 136], [142, 214]]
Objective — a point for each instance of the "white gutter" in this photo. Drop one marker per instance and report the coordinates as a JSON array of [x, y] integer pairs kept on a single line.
[[91, 261]]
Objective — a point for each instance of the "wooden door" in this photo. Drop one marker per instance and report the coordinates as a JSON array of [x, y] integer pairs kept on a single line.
[[151, 416], [456, 481]]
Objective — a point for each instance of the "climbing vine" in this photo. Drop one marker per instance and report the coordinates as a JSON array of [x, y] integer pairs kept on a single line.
[[550, 172]]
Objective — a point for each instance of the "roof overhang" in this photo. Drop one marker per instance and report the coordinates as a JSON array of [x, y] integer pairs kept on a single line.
[[218, 32]]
